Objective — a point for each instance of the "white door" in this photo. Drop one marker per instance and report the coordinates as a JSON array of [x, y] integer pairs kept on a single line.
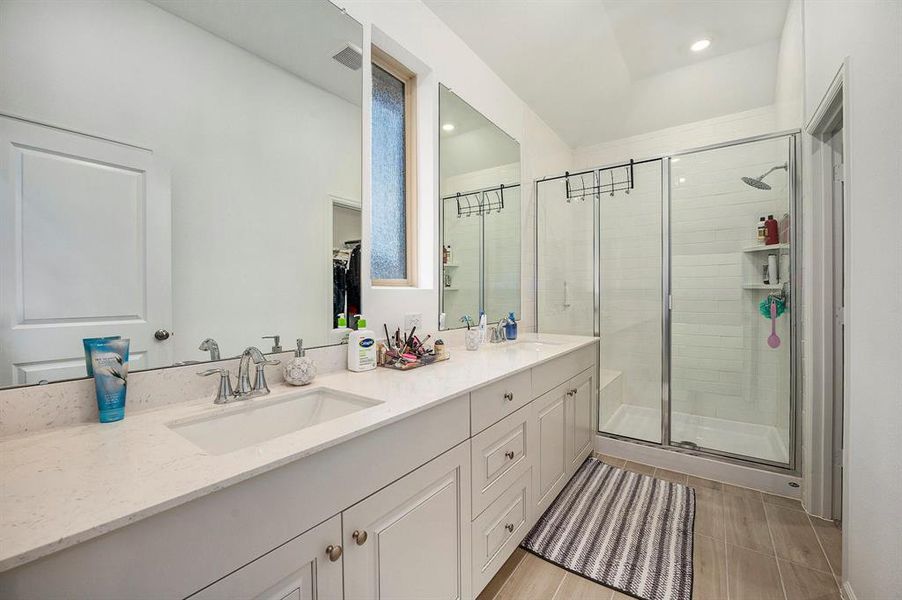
[[411, 540], [579, 418], [306, 568], [550, 451], [84, 251]]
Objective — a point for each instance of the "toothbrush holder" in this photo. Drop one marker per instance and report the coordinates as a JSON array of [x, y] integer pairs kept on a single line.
[[471, 339]]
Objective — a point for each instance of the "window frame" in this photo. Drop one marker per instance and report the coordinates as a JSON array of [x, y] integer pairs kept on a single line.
[[393, 67]]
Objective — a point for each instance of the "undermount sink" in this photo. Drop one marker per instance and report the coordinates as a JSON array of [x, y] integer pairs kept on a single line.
[[261, 421], [529, 344]]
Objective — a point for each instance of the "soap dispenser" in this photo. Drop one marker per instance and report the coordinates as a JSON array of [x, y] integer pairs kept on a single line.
[[300, 370]]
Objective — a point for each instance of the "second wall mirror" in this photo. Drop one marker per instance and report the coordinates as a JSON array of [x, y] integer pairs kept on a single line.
[[481, 217]]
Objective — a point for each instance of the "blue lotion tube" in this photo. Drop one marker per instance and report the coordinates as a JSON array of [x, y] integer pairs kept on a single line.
[[87, 343], [109, 359]]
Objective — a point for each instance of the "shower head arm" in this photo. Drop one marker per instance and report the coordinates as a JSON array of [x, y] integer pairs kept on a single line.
[[784, 167]]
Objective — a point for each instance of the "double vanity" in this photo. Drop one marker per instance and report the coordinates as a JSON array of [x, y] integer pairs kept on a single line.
[[363, 485]]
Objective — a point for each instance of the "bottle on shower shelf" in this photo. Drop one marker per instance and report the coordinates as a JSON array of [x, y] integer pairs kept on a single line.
[[762, 231], [772, 234]]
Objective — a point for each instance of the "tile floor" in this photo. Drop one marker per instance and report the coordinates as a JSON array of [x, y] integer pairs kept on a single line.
[[748, 545]]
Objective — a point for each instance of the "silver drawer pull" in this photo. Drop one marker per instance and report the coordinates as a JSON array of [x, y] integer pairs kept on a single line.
[[509, 396], [509, 527], [509, 454]]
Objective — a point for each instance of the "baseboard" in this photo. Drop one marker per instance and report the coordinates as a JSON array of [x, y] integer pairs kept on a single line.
[[700, 466], [847, 592]]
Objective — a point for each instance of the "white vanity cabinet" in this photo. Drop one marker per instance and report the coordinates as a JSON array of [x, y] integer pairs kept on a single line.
[[411, 539], [428, 507], [305, 568], [578, 417]]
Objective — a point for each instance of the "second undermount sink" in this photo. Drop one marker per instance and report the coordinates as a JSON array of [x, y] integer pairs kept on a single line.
[[261, 420], [529, 344]]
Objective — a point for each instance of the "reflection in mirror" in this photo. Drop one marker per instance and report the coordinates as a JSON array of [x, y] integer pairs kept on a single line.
[[182, 173], [480, 191]]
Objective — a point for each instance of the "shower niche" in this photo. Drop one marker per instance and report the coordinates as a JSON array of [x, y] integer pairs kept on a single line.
[[669, 272]]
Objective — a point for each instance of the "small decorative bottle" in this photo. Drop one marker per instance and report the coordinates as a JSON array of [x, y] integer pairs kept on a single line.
[[300, 370]]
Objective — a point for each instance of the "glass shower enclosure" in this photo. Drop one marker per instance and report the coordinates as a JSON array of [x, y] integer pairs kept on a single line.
[[662, 259]]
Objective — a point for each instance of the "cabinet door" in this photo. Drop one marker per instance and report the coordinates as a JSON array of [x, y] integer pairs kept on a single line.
[[302, 569], [580, 394], [550, 449], [411, 540]]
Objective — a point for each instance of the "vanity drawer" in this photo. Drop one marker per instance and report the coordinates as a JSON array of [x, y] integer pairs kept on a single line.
[[498, 531], [495, 401], [499, 455], [553, 373]]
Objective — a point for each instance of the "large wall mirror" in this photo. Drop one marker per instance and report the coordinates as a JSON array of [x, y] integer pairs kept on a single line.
[[182, 173], [480, 215]]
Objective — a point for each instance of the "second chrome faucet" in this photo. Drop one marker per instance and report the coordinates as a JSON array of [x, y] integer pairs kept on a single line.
[[245, 390]]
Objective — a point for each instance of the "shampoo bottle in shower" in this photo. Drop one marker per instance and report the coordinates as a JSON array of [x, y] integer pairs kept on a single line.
[[772, 235], [762, 230]]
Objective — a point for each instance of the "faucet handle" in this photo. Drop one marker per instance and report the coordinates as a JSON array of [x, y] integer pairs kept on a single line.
[[260, 379], [224, 393], [276, 346]]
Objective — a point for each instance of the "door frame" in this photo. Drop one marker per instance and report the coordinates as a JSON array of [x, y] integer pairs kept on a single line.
[[824, 402]]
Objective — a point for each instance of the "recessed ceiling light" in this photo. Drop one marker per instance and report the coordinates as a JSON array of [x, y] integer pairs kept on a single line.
[[448, 127], [682, 180], [700, 45]]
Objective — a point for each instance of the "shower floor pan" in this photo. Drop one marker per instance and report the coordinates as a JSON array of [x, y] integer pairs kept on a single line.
[[745, 439]]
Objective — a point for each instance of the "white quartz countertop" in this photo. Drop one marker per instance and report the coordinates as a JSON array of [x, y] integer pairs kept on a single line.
[[68, 485]]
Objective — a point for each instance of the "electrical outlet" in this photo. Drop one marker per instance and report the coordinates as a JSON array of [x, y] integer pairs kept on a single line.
[[412, 320]]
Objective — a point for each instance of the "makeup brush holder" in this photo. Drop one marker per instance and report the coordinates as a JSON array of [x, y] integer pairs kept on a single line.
[[471, 339]]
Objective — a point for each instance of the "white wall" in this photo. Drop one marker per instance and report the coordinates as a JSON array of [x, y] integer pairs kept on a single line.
[[417, 37], [869, 34], [790, 70], [247, 142]]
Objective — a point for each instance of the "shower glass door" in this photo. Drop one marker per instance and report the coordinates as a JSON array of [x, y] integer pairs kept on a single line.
[[631, 302], [730, 384]]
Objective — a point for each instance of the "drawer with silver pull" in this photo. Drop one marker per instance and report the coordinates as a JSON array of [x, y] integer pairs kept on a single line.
[[495, 401], [499, 455], [499, 530]]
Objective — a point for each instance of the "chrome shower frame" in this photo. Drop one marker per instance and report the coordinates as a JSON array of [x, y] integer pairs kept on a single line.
[[795, 313]]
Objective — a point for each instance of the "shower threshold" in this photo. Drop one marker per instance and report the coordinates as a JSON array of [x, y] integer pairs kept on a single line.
[[745, 439]]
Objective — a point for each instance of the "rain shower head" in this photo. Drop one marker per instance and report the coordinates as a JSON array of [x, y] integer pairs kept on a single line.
[[758, 182]]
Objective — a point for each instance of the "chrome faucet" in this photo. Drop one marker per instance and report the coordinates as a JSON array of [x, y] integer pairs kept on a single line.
[[225, 393], [498, 332], [210, 345], [244, 378]]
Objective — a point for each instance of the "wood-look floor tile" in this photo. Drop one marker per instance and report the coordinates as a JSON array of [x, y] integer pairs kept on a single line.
[[673, 476], [794, 538], [494, 586], [699, 482], [803, 583], [580, 588], [610, 460], [709, 513], [709, 564], [741, 491], [783, 501], [831, 539], [533, 578], [752, 575], [746, 523], [639, 468]]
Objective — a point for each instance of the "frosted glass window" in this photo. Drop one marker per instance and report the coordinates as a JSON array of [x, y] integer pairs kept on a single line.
[[389, 254]]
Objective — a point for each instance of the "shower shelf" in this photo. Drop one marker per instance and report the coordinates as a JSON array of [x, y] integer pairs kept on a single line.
[[762, 248], [762, 286], [449, 265]]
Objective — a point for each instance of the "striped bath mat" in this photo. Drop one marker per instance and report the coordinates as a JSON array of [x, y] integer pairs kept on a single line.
[[626, 531]]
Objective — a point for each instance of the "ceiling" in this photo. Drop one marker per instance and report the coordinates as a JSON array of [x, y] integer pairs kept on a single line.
[[602, 70], [300, 37]]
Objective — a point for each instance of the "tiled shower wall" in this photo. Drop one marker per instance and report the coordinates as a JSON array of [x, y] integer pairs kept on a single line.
[[721, 363]]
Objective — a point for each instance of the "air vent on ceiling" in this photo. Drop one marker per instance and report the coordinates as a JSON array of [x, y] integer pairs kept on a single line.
[[350, 56]]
